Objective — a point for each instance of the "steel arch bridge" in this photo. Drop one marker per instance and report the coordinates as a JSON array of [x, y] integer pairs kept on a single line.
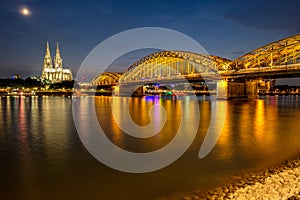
[[280, 59], [236, 78], [281, 52], [106, 78], [166, 65], [275, 60]]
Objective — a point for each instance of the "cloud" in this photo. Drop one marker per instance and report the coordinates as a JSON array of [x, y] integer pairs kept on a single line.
[[238, 53]]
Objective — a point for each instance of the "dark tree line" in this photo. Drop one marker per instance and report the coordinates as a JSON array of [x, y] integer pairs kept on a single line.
[[34, 83], [63, 84]]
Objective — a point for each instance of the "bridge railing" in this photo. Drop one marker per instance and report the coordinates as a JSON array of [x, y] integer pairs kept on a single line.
[[280, 68]]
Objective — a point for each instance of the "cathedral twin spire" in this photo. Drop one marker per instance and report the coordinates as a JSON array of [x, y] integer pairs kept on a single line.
[[48, 59], [57, 58], [55, 72]]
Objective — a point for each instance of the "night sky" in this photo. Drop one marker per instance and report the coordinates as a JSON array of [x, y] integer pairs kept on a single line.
[[228, 28]]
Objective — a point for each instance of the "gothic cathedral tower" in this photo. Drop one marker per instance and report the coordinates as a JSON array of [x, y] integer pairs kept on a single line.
[[57, 59], [47, 59]]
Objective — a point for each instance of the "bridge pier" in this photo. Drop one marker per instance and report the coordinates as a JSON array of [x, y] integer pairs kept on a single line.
[[129, 90], [251, 89], [231, 89]]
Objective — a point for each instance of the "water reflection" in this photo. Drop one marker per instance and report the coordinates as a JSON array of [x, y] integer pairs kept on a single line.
[[42, 157], [139, 112]]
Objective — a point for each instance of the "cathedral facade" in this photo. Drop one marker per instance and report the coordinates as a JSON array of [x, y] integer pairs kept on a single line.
[[55, 72]]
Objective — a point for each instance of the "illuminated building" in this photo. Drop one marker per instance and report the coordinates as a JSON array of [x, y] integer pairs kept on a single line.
[[55, 72]]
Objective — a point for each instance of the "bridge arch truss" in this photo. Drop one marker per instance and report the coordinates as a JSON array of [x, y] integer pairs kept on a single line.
[[172, 65], [279, 53], [106, 78]]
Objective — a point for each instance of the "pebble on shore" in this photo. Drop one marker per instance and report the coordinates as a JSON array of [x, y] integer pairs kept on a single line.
[[278, 183]]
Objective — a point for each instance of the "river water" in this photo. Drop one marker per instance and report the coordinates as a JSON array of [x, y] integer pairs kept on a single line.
[[42, 156]]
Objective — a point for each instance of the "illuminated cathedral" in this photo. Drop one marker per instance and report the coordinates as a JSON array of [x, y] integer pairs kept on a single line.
[[56, 72]]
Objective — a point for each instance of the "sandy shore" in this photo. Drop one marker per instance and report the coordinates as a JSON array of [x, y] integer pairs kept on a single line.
[[281, 182]]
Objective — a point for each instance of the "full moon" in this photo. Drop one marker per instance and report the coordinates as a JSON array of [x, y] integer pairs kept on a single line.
[[25, 11]]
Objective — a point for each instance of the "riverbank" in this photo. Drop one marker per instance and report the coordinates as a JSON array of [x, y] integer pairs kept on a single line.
[[281, 182], [39, 93]]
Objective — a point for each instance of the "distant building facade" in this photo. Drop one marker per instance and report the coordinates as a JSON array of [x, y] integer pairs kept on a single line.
[[55, 72]]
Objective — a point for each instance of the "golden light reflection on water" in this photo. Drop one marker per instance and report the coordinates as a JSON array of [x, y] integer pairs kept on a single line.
[[264, 134], [225, 140], [250, 124], [139, 112], [103, 109], [259, 121], [253, 129], [250, 127]]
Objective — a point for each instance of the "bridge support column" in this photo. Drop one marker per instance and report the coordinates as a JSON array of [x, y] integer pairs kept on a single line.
[[129, 90], [251, 89], [231, 89]]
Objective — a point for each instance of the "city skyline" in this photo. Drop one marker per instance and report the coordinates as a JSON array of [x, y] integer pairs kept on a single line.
[[227, 29]]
